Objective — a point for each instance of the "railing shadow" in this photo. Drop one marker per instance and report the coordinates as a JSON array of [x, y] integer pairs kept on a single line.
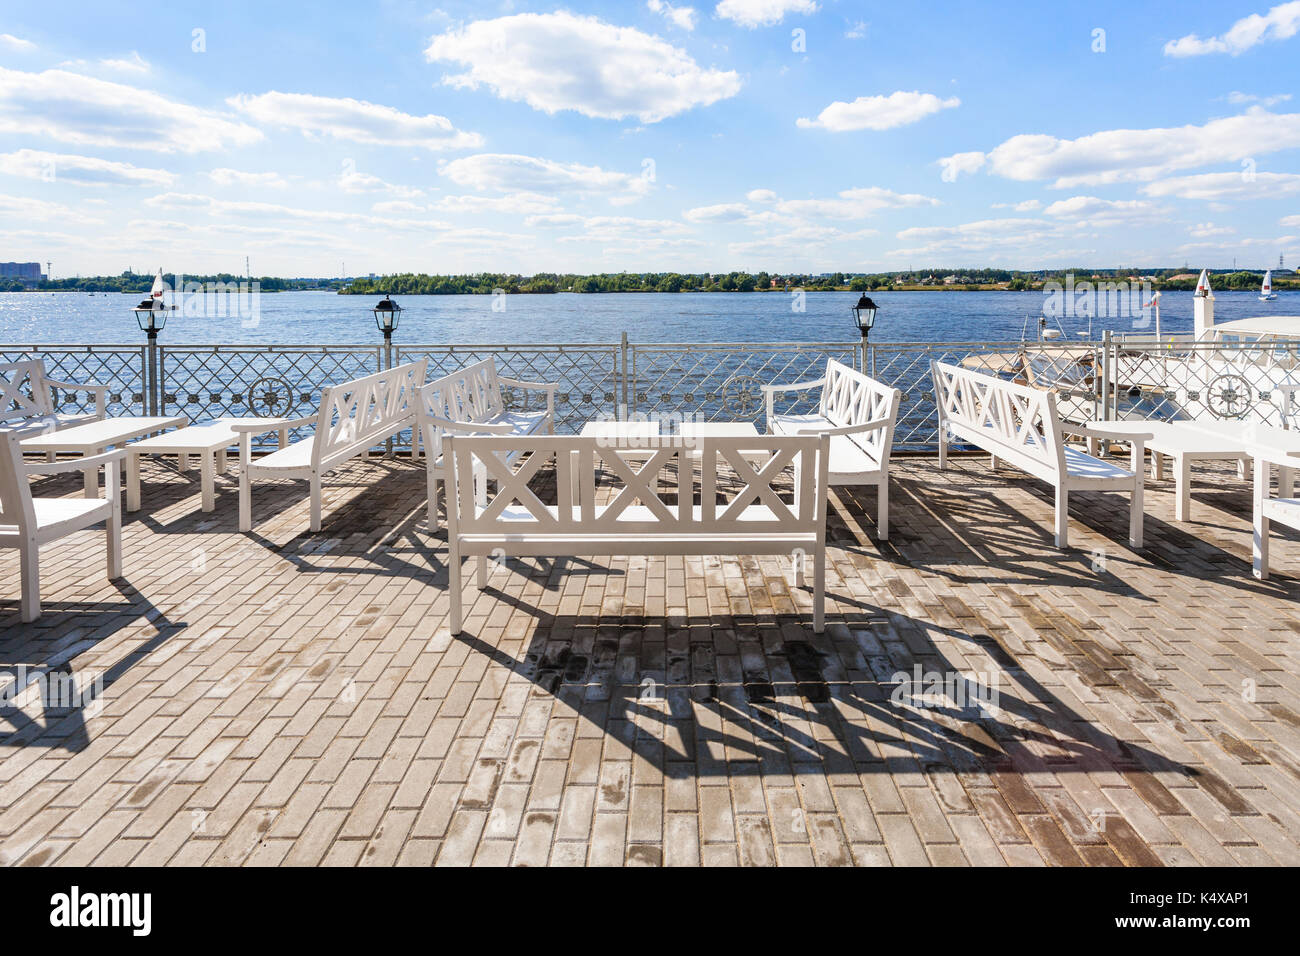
[[793, 703], [42, 669]]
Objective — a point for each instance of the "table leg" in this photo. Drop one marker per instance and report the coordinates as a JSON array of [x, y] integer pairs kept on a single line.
[[1157, 466], [1182, 505], [221, 461], [1285, 482], [90, 479], [207, 481], [183, 462], [132, 482]]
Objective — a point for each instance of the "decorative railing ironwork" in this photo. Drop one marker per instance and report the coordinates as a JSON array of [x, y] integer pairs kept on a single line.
[[1130, 378], [121, 367]]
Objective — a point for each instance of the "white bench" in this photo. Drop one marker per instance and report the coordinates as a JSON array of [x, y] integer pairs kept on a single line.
[[353, 418], [515, 521], [859, 414], [1284, 509], [469, 401], [1020, 425], [27, 398], [27, 522]]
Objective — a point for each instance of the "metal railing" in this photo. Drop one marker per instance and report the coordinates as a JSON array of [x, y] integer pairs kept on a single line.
[[1169, 379]]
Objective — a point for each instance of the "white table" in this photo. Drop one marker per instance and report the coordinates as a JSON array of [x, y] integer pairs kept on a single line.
[[1188, 441], [94, 438], [209, 441]]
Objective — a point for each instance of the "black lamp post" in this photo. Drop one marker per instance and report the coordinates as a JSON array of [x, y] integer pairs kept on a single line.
[[151, 315], [387, 315], [864, 313]]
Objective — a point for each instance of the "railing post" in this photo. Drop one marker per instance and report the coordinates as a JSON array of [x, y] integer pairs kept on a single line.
[[1105, 375], [154, 391], [621, 410], [388, 364]]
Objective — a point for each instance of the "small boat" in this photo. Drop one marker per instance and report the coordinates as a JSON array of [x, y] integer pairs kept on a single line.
[[1266, 293]]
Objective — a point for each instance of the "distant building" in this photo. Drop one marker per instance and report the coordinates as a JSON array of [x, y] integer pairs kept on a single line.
[[23, 271]]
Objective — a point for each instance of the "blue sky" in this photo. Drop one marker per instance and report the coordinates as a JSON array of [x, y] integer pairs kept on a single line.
[[808, 135]]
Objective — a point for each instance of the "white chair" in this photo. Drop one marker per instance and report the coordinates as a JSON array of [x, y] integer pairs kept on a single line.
[[859, 414], [27, 522], [1284, 509], [27, 398], [469, 402]]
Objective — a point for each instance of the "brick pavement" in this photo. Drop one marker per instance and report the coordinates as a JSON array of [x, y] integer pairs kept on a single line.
[[284, 697]]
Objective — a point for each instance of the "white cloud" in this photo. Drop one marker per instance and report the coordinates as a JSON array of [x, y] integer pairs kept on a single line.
[[1217, 186], [856, 31], [398, 206], [722, 212], [1289, 222], [91, 112], [1028, 205], [958, 163], [355, 121], [80, 170], [1127, 155], [761, 195], [1242, 99], [878, 112], [1102, 212], [1280, 23], [236, 177], [9, 41], [1205, 230], [981, 236], [853, 203], [605, 228], [357, 182], [683, 17], [519, 203], [195, 203], [761, 13], [512, 173], [559, 61], [25, 209], [133, 62]]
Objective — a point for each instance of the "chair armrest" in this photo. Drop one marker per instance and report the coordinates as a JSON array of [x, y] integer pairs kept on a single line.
[[534, 386], [468, 428], [76, 464], [794, 386], [258, 428], [1107, 434], [78, 386], [870, 426]]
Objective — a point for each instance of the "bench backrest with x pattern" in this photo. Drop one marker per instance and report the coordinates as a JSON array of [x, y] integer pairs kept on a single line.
[[657, 482], [1017, 423], [23, 392], [850, 398], [365, 410]]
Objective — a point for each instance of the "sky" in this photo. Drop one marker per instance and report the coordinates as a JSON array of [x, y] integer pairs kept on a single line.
[[329, 139]]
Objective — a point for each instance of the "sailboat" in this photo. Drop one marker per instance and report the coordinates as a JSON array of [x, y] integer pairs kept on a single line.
[[156, 293], [1266, 293]]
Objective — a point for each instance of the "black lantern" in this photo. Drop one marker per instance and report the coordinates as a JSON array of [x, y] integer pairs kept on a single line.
[[864, 313], [387, 315], [151, 314]]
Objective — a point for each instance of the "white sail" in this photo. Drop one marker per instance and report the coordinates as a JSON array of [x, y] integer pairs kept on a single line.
[[1203, 283], [157, 291], [1266, 289]]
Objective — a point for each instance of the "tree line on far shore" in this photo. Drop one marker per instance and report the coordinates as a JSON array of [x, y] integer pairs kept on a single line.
[[488, 283]]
